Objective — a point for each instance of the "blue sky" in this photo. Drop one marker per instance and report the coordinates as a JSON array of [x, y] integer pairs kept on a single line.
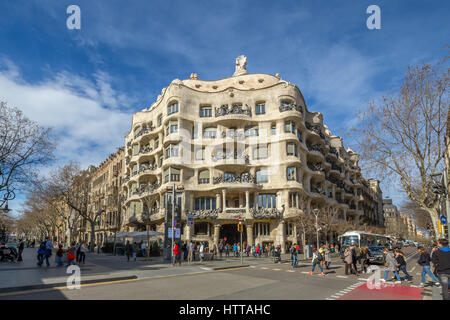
[[87, 83]]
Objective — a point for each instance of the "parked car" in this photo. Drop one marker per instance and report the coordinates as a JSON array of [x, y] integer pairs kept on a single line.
[[376, 255]]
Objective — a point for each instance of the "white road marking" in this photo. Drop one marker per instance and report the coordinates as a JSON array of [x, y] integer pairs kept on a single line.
[[252, 267], [362, 279], [204, 268], [290, 270], [345, 277], [264, 268], [335, 296], [329, 299], [413, 269], [276, 269]]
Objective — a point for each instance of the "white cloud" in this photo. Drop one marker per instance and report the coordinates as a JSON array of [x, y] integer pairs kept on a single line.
[[85, 115]]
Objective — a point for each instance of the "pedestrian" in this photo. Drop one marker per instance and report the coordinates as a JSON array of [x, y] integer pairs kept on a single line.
[[184, 248], [322, 252], [401, 263], [348, 260], [294, 256], [258, 250], [424, 261], [82, 256], [202, 250], [277, 255], [227, 250], [21, 246], [143, 249], [135, 247], [59, 256], [316, 259], [47, 254], [77, 248], [441, 259], [41, 251], [176, 254], [129, 250], [71, 255], [327, 258], [364, 259], [235, 249], [355, 256], [391, 265], [220, 248], [190, 251]]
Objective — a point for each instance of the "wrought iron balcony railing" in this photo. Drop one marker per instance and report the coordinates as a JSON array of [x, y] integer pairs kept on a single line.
[[204, 214], [233, 134], [243, 178], [235, 109], [315, 147], [316, 167], [220, 155], [267, 213], [288, 107]]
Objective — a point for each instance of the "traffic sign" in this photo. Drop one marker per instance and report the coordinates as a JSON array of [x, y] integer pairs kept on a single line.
[[174, 223], [190, 221], [177, 233], [443, 219]]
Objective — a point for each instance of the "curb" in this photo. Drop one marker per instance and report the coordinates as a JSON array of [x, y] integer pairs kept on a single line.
[[231, 267], [60, 284]]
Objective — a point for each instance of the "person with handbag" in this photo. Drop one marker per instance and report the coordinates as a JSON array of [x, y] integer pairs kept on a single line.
[[391, 266], [316, 260]]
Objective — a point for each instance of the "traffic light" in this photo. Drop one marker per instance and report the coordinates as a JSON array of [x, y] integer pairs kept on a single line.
[[240, 227]]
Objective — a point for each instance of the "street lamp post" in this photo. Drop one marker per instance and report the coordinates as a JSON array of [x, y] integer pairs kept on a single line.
[[316, 214]]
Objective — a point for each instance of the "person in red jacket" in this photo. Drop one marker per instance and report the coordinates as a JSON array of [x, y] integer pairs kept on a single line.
[[176, 253]]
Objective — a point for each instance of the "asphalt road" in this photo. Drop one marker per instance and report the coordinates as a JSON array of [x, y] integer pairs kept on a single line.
[[264, 281]]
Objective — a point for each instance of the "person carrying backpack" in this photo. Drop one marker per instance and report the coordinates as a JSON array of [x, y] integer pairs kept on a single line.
[[316, 259], [441, 259], [401, 264]]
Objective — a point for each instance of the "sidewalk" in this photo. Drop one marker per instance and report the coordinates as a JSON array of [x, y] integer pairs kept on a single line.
[[106, 267]]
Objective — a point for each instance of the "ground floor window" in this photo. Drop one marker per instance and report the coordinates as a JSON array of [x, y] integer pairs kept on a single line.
[[202, 228], [261, 229]]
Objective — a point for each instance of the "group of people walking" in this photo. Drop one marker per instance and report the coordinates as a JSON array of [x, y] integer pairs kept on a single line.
[[76, 253]]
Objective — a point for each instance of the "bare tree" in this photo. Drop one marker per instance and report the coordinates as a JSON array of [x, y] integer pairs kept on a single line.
[[73, 185], [402, 136], [24, 145]]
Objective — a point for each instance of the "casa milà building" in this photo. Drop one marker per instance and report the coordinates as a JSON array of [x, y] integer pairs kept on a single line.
[[244, 146]]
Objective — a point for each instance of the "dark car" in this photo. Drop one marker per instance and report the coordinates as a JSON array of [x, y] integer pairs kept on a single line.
[[376, 255]]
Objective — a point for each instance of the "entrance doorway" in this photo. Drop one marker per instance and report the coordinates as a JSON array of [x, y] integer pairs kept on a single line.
[[229, 231]]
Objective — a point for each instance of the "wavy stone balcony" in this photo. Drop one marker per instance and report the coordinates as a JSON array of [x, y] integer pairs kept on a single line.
[[239, 135], [243, 178], [290, 107], [203, 214], [220, 155], [143, 131], [315, 147], [315, 128], [261, 213], [236, 109]]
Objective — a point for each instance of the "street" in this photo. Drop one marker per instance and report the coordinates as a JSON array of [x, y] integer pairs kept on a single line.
[[259, 279]]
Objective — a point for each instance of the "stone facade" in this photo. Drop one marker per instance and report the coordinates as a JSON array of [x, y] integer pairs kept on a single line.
[[244, 146], [105, 193]]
